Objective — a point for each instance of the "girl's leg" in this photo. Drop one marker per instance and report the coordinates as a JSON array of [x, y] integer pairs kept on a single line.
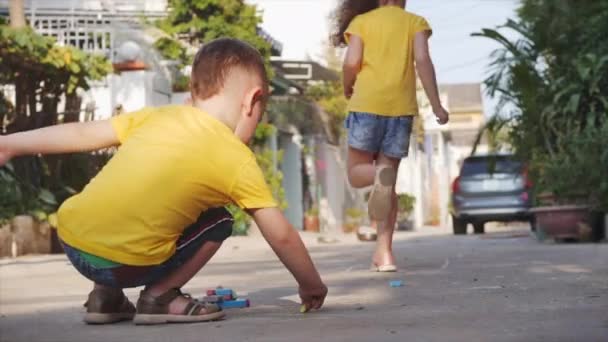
[[384, 245], [361, 173], [361, 169]]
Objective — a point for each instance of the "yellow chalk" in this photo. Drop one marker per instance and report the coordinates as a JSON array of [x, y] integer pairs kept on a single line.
[[303, 308]]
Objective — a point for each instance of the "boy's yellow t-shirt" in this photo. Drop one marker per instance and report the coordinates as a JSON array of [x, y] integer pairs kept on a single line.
[[386, 84], [174, 162]]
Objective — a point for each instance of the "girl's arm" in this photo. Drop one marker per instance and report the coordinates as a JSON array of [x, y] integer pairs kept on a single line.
[[352, 64], [72, 137], [426, 72]]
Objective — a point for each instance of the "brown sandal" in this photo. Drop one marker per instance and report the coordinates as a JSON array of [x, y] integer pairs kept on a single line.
[[108, 306], [155, 310]]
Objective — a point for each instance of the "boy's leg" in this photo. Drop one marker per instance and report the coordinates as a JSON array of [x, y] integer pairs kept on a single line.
[[180, 276], [107, 304], [162, 301]]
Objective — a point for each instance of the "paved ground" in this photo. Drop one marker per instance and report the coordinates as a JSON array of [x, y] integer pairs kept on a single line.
[[503, 286]]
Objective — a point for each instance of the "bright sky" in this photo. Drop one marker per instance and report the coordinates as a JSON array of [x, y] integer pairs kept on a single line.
[[302, 26]]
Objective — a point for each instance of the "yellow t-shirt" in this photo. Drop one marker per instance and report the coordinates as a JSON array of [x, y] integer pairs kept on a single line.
[[386, 84], [174, 162]]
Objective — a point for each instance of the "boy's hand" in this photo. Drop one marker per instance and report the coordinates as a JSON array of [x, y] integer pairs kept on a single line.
[[290, 249], [442, 115], [312, 298]]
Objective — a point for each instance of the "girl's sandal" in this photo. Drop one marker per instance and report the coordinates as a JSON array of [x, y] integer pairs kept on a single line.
[[155, 310]]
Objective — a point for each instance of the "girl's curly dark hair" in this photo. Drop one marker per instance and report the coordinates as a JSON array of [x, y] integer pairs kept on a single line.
[[345, 13]]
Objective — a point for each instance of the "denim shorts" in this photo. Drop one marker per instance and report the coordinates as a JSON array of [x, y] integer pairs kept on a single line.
[[212, 225], [379, 134]]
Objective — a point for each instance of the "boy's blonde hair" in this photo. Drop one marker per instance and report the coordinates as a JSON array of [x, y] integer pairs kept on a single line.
[[214, 61]]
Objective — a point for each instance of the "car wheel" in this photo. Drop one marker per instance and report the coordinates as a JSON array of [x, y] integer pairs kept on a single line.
[[479, 228], [459, 226]]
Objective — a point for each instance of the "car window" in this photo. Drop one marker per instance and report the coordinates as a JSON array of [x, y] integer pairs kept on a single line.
[[477, 166]]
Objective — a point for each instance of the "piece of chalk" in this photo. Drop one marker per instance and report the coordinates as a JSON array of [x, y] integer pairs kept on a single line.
[[213, 299], [395, 283], [224, 292], [303, 308], [237, 303]]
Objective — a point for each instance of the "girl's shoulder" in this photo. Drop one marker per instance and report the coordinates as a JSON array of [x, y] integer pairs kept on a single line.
[[384, 13]]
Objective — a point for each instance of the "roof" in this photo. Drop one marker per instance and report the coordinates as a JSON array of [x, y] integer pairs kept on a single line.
[[463, 96]]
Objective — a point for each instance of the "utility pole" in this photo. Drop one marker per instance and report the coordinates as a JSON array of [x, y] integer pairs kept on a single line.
[[17, 14]]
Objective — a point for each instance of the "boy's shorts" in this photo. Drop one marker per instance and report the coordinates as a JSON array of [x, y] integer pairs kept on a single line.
[[212, 225], [376, 133]]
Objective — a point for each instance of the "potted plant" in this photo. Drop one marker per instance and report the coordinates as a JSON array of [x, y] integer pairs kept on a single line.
[[405, 207], [352, 220], [311, 219], [574, 185]]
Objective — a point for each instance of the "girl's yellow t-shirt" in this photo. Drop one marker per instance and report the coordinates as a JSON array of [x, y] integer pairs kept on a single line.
[[386, 84], [174, 162]]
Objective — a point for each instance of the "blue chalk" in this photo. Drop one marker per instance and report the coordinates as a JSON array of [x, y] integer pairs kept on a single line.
[[224, 292], [237, 303], [395, 283]]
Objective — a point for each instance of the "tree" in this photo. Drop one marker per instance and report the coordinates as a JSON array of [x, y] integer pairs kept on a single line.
[[199, 21], [556, 75]]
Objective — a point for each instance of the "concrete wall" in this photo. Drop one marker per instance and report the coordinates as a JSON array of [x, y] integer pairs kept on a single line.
[[291, 166]]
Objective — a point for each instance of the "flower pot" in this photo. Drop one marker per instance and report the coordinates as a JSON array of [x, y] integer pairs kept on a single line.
[[349, 228], [6, 241], [562, 222], [311, 224]]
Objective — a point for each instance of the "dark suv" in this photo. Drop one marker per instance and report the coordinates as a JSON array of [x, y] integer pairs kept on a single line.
[[490, 188]]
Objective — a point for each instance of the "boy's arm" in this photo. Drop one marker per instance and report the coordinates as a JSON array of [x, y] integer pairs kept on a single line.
[[426, 72], [290, 249], [352, 63], [72, 137]]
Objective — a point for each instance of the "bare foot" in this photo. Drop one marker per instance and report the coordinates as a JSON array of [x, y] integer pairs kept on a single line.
[[381, 259]]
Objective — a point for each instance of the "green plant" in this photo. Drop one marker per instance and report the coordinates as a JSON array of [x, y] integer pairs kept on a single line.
[[181, 83], [172, 50], [43, 74], [578, 169], [406, 203], [241, 220], [17, 197], [312, 211], [354, 214]]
